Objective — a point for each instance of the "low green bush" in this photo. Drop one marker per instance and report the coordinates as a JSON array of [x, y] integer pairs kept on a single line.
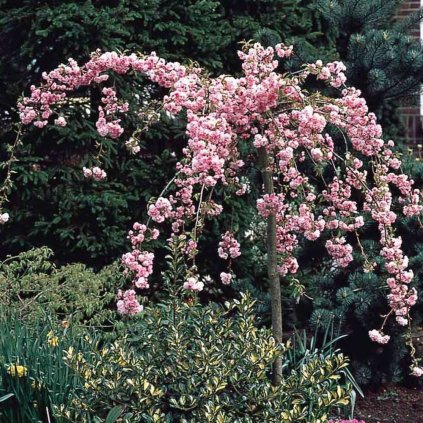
[[185, 362], [32, 286]]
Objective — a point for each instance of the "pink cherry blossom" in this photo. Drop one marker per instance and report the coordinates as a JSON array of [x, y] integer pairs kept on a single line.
[[378, 336], [229, 246], [60, 121], [128, 303], [95, 173], [417, 371], [160, 210], [193, 284], [4, 217], [226, 278]]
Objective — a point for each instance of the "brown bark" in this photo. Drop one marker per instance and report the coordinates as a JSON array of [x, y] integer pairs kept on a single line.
[[272, 271]]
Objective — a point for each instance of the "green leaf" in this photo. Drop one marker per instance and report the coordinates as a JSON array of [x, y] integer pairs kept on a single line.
[[6, 397], [114, 414]]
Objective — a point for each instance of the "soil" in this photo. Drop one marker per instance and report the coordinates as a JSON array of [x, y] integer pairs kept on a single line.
[[391, 404]]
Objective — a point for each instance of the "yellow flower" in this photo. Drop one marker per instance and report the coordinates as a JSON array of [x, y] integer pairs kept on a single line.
[[17, 370], [52, 340]]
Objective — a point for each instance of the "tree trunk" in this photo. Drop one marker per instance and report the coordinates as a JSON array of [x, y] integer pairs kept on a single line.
[[272, 271]]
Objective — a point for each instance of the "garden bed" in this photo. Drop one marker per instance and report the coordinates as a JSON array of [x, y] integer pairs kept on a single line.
[[391, 404]]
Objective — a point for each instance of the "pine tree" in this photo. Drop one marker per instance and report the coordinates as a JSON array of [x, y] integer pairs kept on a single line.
[[382, 59]]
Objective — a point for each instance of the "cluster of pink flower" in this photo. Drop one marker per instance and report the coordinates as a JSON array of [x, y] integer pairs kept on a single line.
[[140, 263], [281, 119], [161, 210], [137, 235], [332, 72], [60, 121], [340, 250], [413, 208], [226, 278], [400, 298], [95, 173], [338, 196], [347, 421], [305, 222], [379, 337], [271, 204], [261, 62], [193, 284], [4, 217], [229, 247], [68, 77], [112, 107], [127, 303]]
